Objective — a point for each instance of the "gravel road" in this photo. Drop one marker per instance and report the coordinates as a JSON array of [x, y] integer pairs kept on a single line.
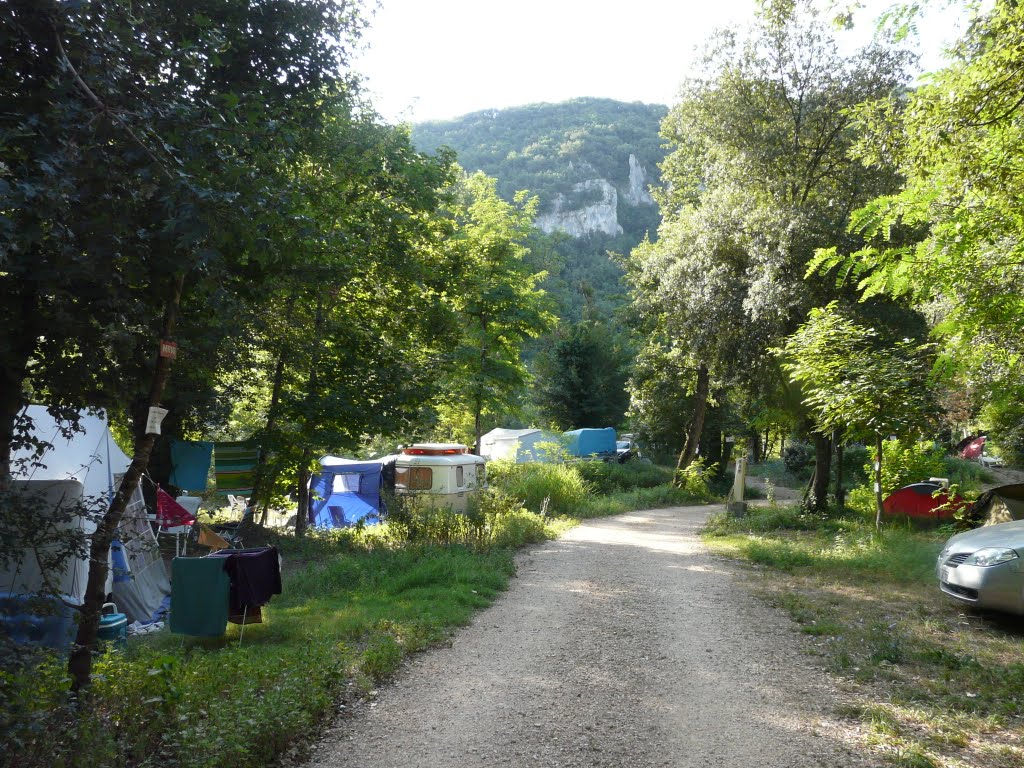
[[622, 644]]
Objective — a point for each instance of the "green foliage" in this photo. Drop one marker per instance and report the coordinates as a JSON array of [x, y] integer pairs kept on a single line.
[[558, 488], [497, 299], [607, 477], [853, 381], [581, 376], [352, 615], [661, 397], [905, 463], [493, 519], [547, 148], [693, 479], [1005, 415], [949, 239], [798, 458]]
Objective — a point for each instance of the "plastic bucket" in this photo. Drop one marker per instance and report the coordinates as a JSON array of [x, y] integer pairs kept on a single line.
[[113, 626]]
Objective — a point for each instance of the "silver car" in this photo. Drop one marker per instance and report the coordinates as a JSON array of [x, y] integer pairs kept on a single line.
[[983, 567]]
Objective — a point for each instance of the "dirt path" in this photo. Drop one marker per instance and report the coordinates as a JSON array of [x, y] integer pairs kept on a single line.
[[622, 644]]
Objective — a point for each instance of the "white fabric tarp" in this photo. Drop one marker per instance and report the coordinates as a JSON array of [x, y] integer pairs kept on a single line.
[[519, 445]]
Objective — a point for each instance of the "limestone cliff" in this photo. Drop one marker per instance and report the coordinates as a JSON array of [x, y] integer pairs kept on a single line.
[[593, 205], [598, 216]]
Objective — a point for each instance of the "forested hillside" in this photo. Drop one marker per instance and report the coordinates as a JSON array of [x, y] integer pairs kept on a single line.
[[590, 163]]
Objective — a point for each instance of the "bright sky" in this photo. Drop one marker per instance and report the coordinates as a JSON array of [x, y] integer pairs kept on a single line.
[[440, 59]]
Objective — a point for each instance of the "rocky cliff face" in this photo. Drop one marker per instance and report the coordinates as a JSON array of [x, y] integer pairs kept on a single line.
[[599, 216], [600, 212], [637, 193]]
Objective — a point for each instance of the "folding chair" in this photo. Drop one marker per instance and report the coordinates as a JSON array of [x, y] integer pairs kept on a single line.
[[173, 519]]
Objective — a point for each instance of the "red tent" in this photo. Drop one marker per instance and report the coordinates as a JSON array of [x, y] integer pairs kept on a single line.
[[920, 502], [974, 448]]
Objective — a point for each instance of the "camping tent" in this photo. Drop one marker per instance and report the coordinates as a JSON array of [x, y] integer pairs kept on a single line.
[[77, 471], [590, 442], [519, 445], [922, 501], [344, 493], [974, 449], [998, 505]]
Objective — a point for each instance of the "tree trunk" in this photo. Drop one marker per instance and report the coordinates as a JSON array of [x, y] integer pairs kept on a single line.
[[262, 481], [307, 455], [878, 483], [477, 425], [700, 405], [302, 514], [755, 446], [713, 446], [822, 470], [80, 660], [840, 493], [20, 340]]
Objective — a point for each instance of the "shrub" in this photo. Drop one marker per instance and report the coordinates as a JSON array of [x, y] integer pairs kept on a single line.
[[561, 484], [693, 480], [798, 457], [610, 477], [905, 463], [493, 518]]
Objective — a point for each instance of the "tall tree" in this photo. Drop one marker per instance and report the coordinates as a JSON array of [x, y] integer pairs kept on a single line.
[[497, 298], [759, 177], [852, 379], [951, 239], [581, 377], [138, 153]]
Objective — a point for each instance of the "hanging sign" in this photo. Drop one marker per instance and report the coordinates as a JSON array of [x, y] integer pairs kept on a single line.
[[168, 349], [156, 415]]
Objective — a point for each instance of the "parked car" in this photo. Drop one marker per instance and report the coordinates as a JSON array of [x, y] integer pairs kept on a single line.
[[983, 567]]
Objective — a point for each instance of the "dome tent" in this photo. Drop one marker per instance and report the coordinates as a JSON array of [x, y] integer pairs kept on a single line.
[[998, 505]]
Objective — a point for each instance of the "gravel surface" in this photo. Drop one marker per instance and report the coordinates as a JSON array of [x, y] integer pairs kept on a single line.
[[622, 644]]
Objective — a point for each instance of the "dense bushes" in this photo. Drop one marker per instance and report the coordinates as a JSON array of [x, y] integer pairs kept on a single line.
[[798, 458], [591, 488]]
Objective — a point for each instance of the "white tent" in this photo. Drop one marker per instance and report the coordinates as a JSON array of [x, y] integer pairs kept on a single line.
[[89, 455], [519, 445], [83, 468]]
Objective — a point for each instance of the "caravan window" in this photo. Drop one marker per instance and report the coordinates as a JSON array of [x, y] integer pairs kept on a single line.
[[459, 477], [346, 483], [414, 478]]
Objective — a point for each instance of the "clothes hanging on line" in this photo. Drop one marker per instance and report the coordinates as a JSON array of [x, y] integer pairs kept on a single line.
[[200, 590], [190, 464], [235, 466], [255, 576]]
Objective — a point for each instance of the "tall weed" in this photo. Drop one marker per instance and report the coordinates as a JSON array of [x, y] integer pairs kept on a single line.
[[561, 485]]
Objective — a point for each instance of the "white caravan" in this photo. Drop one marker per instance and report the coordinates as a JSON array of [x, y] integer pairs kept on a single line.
[[444, 474]]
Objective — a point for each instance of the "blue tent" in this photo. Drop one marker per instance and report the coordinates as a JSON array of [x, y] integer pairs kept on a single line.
[[344, 493], [588, 442]]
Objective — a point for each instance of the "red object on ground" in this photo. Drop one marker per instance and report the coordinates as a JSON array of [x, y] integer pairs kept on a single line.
[[917, 501], [974, 449]]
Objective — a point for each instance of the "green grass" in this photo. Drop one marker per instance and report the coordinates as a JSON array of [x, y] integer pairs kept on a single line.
[[936, 687]]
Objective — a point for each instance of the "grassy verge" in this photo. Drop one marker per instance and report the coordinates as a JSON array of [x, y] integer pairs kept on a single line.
[[932, 685], [355, 603]]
